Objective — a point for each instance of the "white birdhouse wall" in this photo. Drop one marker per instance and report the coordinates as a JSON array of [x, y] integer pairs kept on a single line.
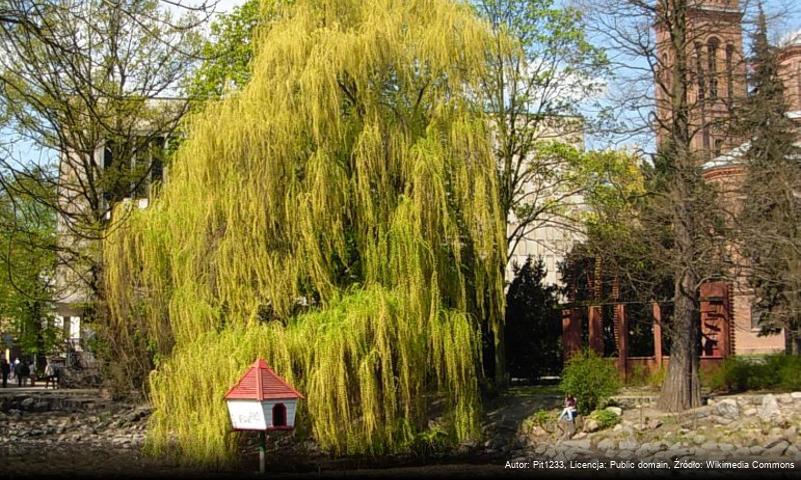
[[255, 415]]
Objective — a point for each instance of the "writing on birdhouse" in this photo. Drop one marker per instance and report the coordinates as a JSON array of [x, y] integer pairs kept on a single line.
[[262, 400]]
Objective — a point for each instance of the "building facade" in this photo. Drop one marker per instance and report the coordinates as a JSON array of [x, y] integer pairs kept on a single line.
[[553, 235], [729, 323], [726, 170], [117, 167]]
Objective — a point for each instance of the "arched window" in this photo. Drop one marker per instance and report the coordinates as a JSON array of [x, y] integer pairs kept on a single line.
[[699, 70], [712, 70], [279, 415], [730, 73]]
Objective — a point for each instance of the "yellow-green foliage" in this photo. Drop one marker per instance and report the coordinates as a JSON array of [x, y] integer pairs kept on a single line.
[[337, 217]]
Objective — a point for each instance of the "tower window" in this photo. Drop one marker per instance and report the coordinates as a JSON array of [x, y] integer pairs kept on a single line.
[[730, 73], [718, 146], [699, 69], [712, 61]]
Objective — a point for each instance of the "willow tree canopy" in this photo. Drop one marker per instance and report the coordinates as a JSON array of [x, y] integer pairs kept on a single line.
[[338, 217]]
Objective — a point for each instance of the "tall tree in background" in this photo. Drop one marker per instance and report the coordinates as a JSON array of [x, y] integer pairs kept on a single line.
[[227, 53], [89, 82], [770, 221], [540, 69], [532, 323], [680, 217], [27, 267]]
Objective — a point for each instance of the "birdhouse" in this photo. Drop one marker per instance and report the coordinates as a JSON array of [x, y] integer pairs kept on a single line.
[[262, 400]]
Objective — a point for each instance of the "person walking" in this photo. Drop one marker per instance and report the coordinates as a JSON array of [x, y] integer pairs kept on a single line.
[[32, 375], [6, 369], [22, 370], [14, 366], [50, 374]]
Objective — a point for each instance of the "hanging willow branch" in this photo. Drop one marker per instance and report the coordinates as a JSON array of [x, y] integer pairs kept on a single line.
[[354, 175]]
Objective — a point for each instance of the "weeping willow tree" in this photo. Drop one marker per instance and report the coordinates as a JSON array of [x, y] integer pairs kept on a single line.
[[337, 217]]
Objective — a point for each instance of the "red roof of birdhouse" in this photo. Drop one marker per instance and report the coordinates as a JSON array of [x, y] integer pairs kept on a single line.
[[260, 382]]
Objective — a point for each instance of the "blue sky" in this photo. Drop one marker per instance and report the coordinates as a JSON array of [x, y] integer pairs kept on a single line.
[[784, 18]]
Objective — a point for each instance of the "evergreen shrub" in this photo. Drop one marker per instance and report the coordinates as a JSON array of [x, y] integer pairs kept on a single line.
[[591, 379]]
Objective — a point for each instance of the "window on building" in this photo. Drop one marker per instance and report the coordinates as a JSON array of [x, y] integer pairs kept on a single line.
[[132, 178], [113, 183], [67, 326], [699, 71], [730, 73], [718, 147], [707, 137], [712, 62]]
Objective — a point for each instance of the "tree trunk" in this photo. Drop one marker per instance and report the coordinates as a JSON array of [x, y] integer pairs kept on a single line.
[[501, 377], [681, 391]]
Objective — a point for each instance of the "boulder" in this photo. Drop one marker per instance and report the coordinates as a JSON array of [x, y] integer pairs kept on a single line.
[[654, 423], [616, 410], [647, 449], [607, 444], [583, 443], [628, 443], [769, 408], [728, 408], [778, 449], [591, 425]]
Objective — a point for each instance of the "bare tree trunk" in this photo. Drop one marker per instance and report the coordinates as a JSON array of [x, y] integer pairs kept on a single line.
[[681, 391]]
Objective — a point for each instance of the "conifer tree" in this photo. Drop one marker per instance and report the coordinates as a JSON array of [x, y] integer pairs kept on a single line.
[[771, 215]]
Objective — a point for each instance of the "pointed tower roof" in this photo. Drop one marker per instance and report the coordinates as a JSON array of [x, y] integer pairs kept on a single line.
[[260, 382]]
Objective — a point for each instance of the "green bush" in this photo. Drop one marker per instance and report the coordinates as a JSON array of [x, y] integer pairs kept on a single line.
[[774, 372], [605, 418], [790, 373], [591, 379]]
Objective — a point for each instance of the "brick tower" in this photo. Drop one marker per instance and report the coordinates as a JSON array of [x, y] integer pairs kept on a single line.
[[718, 82], [714, 50]]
